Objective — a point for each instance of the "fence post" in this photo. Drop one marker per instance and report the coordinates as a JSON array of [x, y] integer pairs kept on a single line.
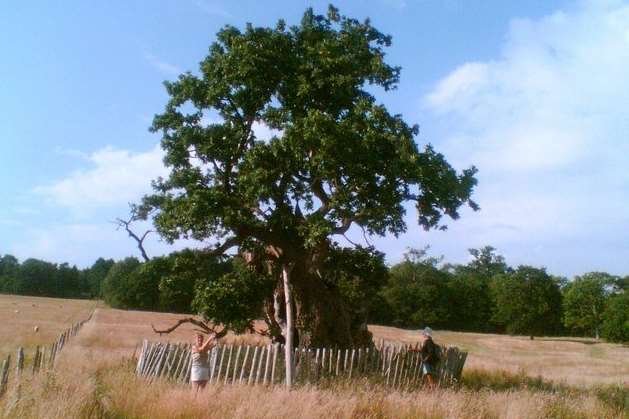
[[34, 367], [20, 361], [266, 366], [275, 349], [4, 375]]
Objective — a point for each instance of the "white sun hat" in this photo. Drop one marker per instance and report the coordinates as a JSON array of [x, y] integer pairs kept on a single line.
[[427, 331]]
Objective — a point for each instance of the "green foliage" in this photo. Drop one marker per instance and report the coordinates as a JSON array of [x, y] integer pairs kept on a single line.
[[37, 277], [359, 274], [234, 299], [116, 283], [184, 271], [41, 278], [417, 294], [95, 275], [584, 301], [616, 318], [470, 291], [527, 301], [339, 158]]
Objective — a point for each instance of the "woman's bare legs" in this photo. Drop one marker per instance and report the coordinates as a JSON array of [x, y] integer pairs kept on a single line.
[[198, 385]]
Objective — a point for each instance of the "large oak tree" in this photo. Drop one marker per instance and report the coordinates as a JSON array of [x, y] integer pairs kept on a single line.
[[339, 158]]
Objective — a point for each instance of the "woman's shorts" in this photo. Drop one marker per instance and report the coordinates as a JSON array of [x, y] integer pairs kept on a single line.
[[427, 369], [199, 374]]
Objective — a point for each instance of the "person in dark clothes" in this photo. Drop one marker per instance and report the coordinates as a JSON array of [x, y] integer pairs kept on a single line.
[[427, 353]]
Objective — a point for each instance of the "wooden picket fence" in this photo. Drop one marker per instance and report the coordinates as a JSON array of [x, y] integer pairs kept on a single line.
[[393, 365], [43, 357]]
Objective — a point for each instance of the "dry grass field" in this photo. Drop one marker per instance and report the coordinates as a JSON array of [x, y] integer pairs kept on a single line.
[[19, 315], [573, 361], [93, 378]]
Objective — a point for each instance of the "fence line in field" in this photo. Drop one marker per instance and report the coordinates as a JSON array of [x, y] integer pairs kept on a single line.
[[395, 366], [43, 357]]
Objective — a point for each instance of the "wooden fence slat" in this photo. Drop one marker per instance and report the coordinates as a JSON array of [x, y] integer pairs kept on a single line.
[[185, 376], [35, 360], [20, 361], [351, 363], [213, 358], [138, 367], [229, 360], [149, 368], [151, 360], [160, 360], [236, 363], [220, 364], [4, 374], [181, 356], [259, 370], [275, 349], [252, 369], [244, 363], [266, 366]]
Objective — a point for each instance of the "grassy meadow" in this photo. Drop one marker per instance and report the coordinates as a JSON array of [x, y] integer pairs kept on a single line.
[[505, 377], [19, 315]]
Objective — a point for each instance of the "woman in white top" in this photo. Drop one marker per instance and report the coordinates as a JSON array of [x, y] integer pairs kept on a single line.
[[200, 370]]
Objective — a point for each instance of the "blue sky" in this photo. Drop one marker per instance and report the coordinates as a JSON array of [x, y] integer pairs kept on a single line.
[[533, 93]]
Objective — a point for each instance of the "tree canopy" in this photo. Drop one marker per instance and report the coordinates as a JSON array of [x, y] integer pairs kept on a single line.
[[339, 158], [527, 301], [584, 302]]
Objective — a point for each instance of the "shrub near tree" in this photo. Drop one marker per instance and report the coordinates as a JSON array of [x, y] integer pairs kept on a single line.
[[527, 301]]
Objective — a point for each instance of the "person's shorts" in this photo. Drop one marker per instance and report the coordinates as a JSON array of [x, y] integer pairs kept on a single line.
[[427, 369]]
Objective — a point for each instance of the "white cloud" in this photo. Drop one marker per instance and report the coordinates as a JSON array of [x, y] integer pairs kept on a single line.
[[213, 9], [115, 178], [163, 66], [546, 122]]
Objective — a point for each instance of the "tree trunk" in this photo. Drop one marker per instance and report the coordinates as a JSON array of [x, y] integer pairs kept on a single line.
[[288, 336]]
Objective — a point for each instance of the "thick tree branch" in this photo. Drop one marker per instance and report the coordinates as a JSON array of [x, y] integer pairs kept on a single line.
[[317, 189], [345, 225], [222, 248]]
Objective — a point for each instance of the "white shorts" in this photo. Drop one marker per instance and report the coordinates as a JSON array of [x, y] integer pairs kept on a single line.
[[199, 374]]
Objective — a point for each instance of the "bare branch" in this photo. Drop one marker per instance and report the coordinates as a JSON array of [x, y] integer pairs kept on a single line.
[[348, 239], [365, 236], [126, 224], [203, 327]]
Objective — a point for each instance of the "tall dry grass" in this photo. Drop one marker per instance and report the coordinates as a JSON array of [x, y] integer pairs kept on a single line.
[[102, 389], [94, 378]]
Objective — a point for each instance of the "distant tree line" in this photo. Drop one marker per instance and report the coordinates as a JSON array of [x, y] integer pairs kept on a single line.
[[40, 278], [487, 295], [484, 295]]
